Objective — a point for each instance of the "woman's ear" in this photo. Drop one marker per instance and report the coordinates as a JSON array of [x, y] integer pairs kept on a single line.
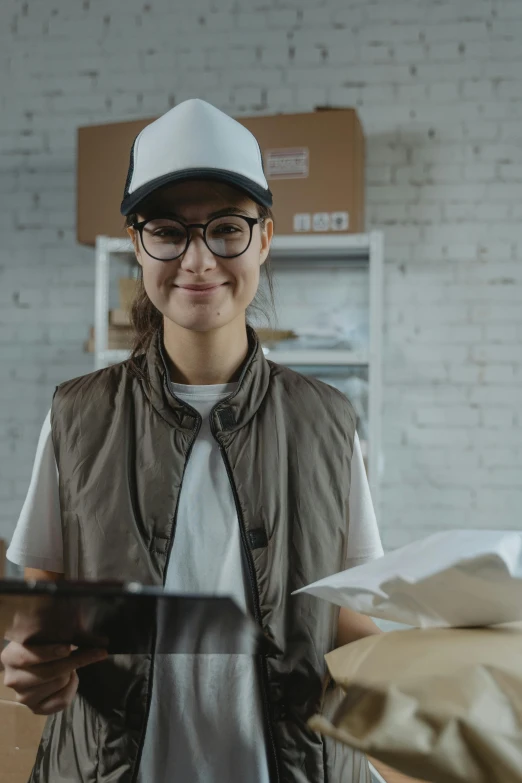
[[133, 234], [267, 232]]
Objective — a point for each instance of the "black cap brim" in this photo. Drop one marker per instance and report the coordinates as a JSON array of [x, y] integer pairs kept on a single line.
[[259, 194]]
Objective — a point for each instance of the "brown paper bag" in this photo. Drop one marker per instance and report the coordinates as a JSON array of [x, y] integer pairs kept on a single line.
[[444, 705], [19, 737]]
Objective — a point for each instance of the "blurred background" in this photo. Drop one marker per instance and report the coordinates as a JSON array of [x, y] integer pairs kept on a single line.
[[437, 87]]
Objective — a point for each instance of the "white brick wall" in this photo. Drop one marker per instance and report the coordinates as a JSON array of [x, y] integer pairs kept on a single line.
[[439, 89]]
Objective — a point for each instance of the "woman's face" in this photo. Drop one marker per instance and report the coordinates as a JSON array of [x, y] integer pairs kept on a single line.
[[199, 290]]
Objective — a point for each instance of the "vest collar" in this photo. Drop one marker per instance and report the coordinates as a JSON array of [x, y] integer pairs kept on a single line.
[[231, 413]]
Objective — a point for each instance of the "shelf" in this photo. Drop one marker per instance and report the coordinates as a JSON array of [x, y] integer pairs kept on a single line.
[[114, 356], [290, 358], [307, 254], [320, 251], [324, 245], [327, 244], [112, 245], [324, 358], [316, 249]]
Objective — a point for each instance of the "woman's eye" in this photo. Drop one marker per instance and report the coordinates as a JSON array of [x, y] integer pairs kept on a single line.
[[165, 233], [230, 229]]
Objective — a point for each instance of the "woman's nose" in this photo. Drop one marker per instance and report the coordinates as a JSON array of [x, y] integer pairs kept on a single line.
[[197, 258]]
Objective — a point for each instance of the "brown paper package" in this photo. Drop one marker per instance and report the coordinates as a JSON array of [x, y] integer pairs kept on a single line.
[[443, 705]]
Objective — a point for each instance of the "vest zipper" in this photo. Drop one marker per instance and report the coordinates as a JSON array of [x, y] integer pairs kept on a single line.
[[171, 542], [262, 665]]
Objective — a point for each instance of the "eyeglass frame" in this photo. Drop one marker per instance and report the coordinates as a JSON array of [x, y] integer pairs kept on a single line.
[[251, 221]]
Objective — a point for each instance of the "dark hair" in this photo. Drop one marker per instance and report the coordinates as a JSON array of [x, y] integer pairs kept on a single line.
[[147, 320]]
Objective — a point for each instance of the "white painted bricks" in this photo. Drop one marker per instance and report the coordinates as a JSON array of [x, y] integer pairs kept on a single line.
[[439, 89]]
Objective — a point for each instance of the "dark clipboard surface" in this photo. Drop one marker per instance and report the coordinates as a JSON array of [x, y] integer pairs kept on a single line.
[[127, 618]]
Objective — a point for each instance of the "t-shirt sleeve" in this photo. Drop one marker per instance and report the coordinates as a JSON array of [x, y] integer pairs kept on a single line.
[[37, 541], [364, 541]]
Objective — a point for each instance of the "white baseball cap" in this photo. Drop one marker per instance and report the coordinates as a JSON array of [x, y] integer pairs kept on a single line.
[[194, 140]]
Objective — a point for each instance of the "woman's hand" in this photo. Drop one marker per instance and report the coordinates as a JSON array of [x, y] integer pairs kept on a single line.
[[45, 677]]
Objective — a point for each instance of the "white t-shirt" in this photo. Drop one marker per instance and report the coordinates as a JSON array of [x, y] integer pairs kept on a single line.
[[205, 723]]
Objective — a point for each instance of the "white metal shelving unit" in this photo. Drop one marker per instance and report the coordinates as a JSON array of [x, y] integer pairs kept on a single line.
[[294, 251]]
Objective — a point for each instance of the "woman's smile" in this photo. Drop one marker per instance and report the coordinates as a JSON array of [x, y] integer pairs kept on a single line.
[[201, 291]]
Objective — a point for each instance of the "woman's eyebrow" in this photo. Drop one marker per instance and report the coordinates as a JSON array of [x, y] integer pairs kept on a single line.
[[218, 213], [228, 211]]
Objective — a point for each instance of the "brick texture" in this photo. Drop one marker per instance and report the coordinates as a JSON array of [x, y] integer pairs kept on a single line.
[[439, 90]]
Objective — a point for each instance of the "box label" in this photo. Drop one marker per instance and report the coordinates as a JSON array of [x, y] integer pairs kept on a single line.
[[339, 221], [321, 221], [287, 163], [302, 221]]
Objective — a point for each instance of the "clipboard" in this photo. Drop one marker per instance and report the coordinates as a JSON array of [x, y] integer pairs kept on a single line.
[[127, 618]]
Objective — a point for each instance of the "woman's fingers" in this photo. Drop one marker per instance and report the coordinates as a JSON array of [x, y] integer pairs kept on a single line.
[[75, 660], [59, 700], [44, 677], [27, 668], [31, 696], [20, 656]]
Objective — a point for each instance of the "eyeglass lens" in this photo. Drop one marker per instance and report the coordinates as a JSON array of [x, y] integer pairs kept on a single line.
[[166, 239]]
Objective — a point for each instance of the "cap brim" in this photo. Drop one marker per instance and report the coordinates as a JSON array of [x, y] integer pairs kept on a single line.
[[259, 194]]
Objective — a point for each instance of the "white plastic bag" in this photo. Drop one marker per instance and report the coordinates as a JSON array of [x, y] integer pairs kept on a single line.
[[460, 578]]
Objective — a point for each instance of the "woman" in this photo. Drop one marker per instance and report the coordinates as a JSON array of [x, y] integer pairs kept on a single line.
[[198, 465]]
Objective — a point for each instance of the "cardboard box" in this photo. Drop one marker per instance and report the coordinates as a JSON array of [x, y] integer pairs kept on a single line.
[[101, 171], [127, 289], [22, 730], [314, 164], [119, 317], [19, 737], [120, 339], [391, 775]]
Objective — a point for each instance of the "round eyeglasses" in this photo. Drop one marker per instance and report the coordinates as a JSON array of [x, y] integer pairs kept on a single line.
[[166, 239]]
